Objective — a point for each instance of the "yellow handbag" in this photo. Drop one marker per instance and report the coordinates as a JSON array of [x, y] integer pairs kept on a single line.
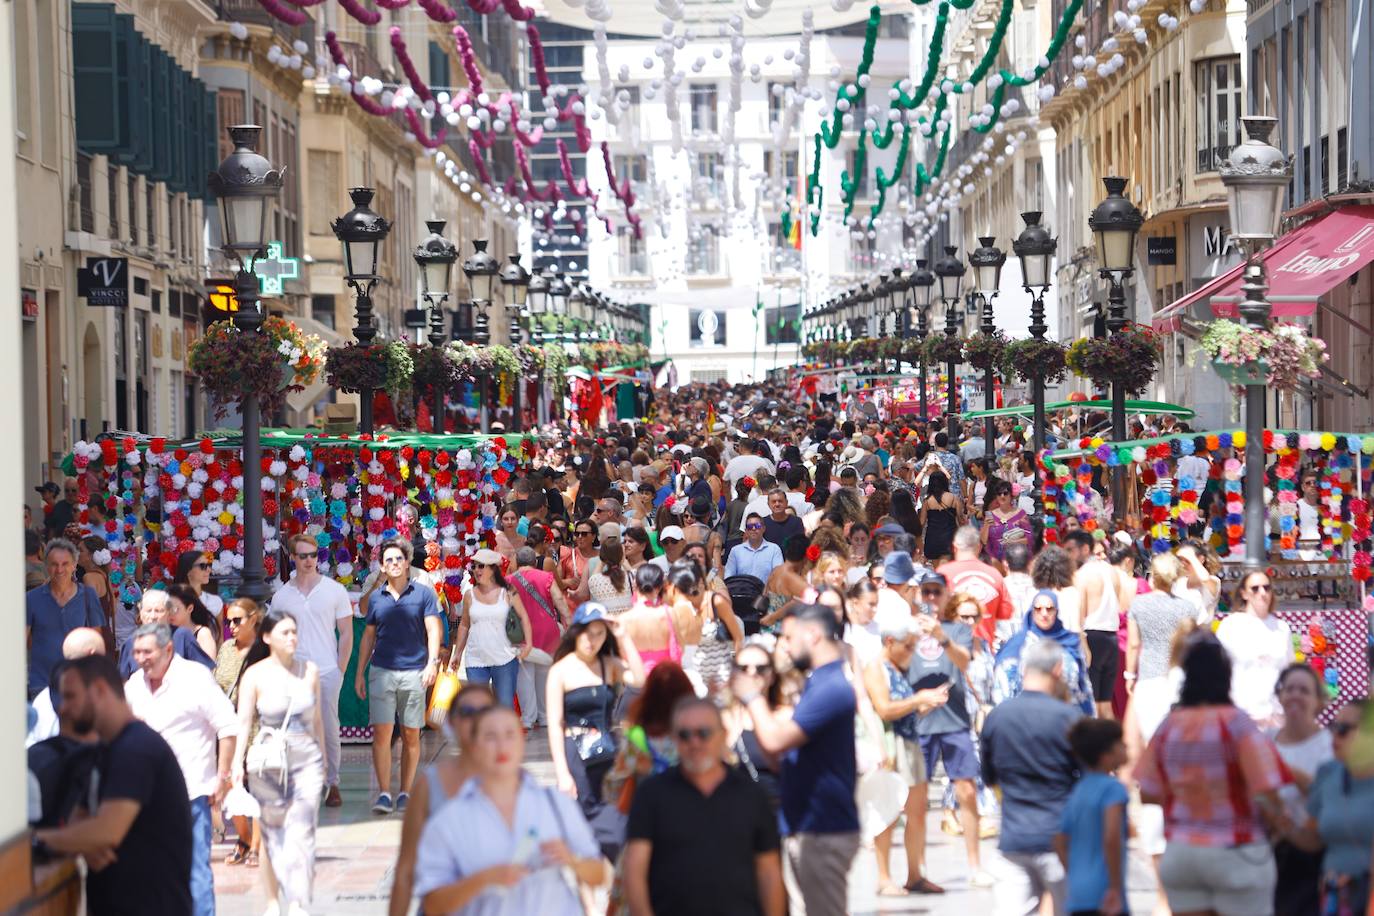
[[446, 686]]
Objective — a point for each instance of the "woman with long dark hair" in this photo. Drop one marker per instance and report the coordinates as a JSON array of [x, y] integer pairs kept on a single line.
[[282, 692], [1003, 521], [609, 585], [1218, 778], [762, 767], [904, 512], [185, 610], [940, 517], [194, 568], [491, 657], [595, 658]]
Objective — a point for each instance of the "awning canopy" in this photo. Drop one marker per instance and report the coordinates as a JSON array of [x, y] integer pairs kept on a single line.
[[1025, 410], [1302, 266]]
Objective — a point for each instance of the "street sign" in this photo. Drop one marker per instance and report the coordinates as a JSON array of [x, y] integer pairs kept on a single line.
[[1161, 249], [220, 294], [104, 282], [274, 269]]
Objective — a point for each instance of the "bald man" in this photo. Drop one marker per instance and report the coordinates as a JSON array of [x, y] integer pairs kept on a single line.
[[79, 643], [153, 608]]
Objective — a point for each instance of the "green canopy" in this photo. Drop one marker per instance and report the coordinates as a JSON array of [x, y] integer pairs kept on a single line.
[[1074, 451], [1025, 410]]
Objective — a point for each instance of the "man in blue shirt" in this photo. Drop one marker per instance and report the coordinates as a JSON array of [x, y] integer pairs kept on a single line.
[[54, 609], [402, 642], [755, 556], [819, 820], [1025, 752]]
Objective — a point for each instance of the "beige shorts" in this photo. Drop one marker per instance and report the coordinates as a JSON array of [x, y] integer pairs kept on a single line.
[[1238, 881], [909, 762]]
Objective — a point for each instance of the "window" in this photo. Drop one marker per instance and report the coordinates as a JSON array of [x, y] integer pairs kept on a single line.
[[157, 302], [862, 176], [703, 98], [83, 183], [860, 252], [322, 309], [633, 168], [632, 260], [706, 328], [1324, 163], [782, 324], [782, 257], [710, 175], [1218, 110], [777, 103], [1035, 185], [1342, 158], [150, 198], [229, 107], [710, 376], [629, 115], [324, 167], [703, 252], [112, 184], [133, 208]]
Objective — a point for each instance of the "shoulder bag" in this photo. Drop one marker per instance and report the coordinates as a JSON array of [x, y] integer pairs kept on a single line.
[[267, 755]]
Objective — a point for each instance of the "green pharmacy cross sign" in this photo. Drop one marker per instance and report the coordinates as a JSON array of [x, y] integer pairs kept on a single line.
[[274, 269]]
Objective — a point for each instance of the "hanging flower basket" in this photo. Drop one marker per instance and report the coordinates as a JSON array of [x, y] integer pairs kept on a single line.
[[863, 349], [233, 364], [1280, 357], [434, 367], [383, 366], [942, 349], [1033, 357], [504, 361], [986, 351], [556, 367], [1127, 358]]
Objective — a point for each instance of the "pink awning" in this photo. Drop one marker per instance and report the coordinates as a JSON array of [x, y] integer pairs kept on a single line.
[[1302, 266]]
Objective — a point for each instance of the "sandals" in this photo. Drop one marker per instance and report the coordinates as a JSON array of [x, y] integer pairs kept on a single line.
[[252, 861], [924, 886], [892, 890], [240, 854]]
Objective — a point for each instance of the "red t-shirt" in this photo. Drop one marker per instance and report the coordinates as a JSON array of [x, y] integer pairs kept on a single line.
[[984, 583]]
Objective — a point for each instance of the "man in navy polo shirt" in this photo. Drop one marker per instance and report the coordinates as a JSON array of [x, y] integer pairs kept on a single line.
[[819, 820], [402, 642]]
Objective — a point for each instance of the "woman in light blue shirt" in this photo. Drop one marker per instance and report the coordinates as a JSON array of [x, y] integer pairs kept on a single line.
[[503, 844]]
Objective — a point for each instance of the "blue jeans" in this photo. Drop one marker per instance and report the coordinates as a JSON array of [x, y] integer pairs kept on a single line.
[[500, 677], [202, 878]]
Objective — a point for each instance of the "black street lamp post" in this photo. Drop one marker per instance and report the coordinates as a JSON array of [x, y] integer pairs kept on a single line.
[[481, 269], [1035, 247], [987, 261], [950, 271], [922, 283], [435, 256], [1115, 222], [515, 280], [245, 185], [362, 232], [1255, 175]]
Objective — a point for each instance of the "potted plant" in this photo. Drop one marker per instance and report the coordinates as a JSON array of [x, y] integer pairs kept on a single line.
[[986, 351], [1127, 358], [863, 349], [233, 364], [1036, 357], [434, 366], [1280, 356], [942, 349]]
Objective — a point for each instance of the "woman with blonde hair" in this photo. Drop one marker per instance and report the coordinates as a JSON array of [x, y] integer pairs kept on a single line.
[[831, 570]]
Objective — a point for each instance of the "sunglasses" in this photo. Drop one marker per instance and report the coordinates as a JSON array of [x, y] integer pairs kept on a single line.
[[753, 527], [764, 668], [701, 734], [235, 621], [666, 541], [467, 712], [585, 534], [1261, 588], [202, 565], [1341, 729], [386, 560], [308, 556]]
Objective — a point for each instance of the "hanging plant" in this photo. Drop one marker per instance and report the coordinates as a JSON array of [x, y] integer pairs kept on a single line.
[[503, 360], [1128, 358], [1032, 357], [986, 351], [1279, 357], [863, 349], [233, 364], [942, 349], [556, 368], [891, 348], [385, 366], [530, 357], [434, 367]]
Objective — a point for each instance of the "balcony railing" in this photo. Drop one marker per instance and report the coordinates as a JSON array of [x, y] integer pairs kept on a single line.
[[250, 12]]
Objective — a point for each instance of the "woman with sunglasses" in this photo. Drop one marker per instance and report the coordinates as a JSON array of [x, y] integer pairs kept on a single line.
[[242, 615], [1260, 646], [435, 785], [194, 569], [762, 767], [1339, 826], [487, 653], [572, 565], [1042, 622]]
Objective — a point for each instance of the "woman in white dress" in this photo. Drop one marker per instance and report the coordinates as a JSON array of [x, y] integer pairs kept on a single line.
[[1260, 646]]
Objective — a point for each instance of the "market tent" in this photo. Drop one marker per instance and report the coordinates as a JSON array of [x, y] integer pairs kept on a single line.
[[1025, 410]]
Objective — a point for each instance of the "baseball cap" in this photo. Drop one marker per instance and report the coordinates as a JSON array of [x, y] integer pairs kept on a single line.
[[898, 568], [700, 506], [934, 578], [608, 531], [588, 612], [888, 529], [48, 487], [672, 531], [487, 557]]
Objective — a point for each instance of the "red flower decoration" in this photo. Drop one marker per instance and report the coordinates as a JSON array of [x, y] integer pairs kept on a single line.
[[813, 553], [750, 482]]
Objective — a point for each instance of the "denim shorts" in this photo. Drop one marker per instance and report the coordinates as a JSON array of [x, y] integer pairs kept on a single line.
[[389, 692], [955, 749]]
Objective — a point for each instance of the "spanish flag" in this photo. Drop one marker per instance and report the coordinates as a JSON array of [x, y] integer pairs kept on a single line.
[[710, 417]]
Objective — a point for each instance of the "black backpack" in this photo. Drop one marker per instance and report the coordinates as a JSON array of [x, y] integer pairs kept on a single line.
[[747, 601], [64, 769]]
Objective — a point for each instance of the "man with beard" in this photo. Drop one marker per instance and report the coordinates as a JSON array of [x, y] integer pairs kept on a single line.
[[702, 818], [137, 842], [820, 821]]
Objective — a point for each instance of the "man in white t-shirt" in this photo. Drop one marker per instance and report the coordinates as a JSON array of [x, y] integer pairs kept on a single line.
[[322, 608], [901, 580], [748, 463]]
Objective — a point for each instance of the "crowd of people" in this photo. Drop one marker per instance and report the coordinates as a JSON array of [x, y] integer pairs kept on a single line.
[[757, 646]]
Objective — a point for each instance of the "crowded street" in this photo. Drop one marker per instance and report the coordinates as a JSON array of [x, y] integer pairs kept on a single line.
[[689, 458]]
